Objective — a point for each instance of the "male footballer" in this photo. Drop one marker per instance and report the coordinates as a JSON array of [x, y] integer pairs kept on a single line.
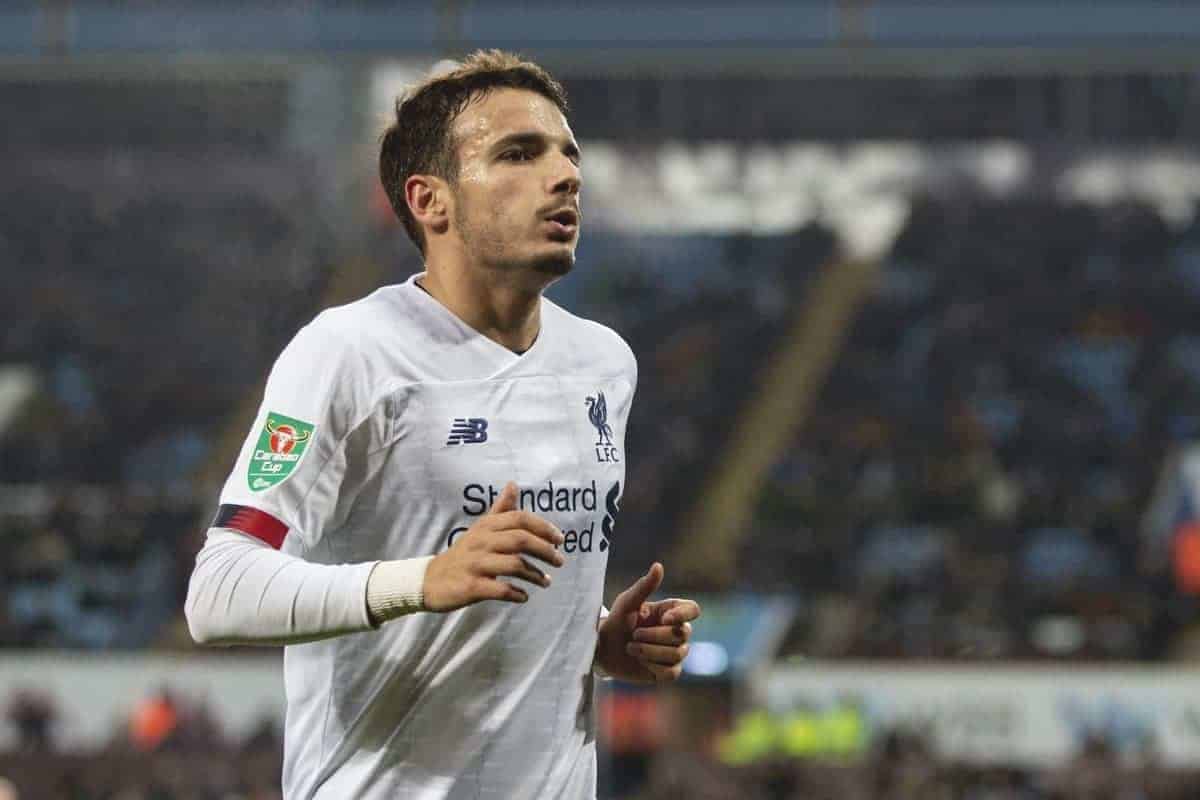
[[424, 508]]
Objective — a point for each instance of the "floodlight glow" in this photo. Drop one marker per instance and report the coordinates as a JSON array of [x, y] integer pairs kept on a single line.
[[706, 658]]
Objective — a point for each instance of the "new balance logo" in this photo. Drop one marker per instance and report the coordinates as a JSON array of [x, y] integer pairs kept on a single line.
[[468, 431]]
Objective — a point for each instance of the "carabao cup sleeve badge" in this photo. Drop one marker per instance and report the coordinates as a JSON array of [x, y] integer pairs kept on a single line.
[[281, 445]]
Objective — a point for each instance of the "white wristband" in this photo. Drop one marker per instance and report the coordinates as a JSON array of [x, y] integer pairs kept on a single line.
[[598, 670], [396, 588]]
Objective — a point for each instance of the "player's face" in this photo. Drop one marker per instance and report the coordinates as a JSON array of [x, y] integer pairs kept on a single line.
[[516, 198]]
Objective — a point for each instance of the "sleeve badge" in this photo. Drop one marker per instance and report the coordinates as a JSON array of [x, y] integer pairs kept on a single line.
[[281, 444]]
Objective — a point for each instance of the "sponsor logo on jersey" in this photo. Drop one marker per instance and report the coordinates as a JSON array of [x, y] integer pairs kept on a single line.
[[548, 500], [281, 444], [597, 413], [612, 505], [471, 430]]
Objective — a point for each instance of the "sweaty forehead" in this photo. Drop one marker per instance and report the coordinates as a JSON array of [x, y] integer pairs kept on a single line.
[[505, 111]]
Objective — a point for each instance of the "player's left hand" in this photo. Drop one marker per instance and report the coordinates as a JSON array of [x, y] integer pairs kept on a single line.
[[643, 641]]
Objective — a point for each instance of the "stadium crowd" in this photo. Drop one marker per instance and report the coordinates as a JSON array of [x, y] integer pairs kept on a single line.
[[88, 567], [902, 765], [147, 294], [166, 749], [973, 480], [171, 749]]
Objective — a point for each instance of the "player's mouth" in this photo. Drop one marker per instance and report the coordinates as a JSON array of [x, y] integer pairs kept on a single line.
[[564, 223]]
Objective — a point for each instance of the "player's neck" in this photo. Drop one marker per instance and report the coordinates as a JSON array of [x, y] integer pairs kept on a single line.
[[508, 315]]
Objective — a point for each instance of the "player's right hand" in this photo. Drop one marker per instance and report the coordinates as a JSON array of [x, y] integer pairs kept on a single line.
[[498, 544]]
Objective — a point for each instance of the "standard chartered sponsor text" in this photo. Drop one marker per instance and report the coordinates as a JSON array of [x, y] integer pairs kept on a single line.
[[478, 498], [548, 499]]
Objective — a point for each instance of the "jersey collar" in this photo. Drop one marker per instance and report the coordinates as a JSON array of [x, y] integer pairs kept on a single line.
[[498, 353]]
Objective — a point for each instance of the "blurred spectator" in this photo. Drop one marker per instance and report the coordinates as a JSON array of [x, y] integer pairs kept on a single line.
[[170, 749], [154, 721], [32, 715]]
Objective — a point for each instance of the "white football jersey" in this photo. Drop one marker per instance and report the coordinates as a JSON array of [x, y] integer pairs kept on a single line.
[[388, 427]]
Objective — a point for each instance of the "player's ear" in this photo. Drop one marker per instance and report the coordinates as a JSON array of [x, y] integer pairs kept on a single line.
[[428, 199]]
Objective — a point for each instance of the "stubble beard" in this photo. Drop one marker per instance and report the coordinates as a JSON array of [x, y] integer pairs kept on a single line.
[[487, 247]]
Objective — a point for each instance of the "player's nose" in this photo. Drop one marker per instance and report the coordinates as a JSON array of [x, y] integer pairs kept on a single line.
[[566, 177]]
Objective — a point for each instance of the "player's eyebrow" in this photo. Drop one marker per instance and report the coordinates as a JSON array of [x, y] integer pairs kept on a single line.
[[535, 139]]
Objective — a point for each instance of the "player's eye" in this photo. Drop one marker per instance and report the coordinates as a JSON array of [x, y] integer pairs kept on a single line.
[[516, 154]]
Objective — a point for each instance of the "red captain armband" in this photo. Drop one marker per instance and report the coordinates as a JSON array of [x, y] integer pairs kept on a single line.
[[251, 521]]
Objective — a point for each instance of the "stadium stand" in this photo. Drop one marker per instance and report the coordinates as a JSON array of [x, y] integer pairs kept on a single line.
[[166, 748], [172, 749], [971, 483], [166, 247], [903, 765], [149, 259]]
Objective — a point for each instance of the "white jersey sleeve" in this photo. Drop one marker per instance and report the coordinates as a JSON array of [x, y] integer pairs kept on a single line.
[[292, 463], [242, 591], [280, 495]]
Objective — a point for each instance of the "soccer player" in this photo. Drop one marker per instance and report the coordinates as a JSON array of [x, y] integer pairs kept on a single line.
[[424, 508]]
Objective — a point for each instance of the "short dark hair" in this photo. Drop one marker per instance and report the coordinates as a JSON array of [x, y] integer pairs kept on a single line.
[[419, 142]]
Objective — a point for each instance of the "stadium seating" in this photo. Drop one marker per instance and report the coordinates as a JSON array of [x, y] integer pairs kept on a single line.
[[972, 481], [150, 307]]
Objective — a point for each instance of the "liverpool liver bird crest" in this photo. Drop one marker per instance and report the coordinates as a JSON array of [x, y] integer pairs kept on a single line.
[[598, 414]]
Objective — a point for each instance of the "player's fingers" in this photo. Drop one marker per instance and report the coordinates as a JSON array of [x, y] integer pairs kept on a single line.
[[663, 673], [507, 501], [531, 522], [663, 634], [657, 653], [513, 566], [492, 589], [675, 611], [630, 600], [518, 541]]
